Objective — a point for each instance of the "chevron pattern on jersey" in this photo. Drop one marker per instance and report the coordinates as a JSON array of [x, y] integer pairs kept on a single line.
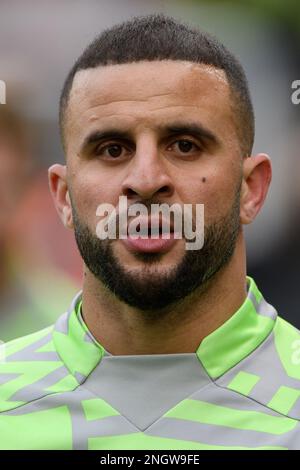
[[59, 389]]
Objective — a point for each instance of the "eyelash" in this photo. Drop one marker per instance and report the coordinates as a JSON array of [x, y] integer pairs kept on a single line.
[[100, 150]]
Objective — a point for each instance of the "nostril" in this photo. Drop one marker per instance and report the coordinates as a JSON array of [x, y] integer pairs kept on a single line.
[[164, 189], [129, 192]]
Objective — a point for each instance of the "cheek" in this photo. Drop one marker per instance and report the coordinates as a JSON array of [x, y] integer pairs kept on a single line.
[[88, 192], [213, 190]]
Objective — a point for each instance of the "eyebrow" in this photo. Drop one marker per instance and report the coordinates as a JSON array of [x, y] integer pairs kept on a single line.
[[177, 128]]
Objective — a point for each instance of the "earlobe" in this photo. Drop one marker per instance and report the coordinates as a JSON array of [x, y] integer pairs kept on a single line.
[[257, 173], [60, 193], [67, 217], [244, 210], [68, 212]]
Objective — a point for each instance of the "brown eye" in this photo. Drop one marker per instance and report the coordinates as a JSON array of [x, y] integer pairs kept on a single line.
[[114, 150], [109, 151], [185, 146]]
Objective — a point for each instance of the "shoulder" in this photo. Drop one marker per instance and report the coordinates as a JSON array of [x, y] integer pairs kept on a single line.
[[30, 368], [270, 375], [287, 346]]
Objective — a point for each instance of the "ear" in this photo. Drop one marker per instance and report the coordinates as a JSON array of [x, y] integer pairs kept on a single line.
[[257, 175], [60, 193]]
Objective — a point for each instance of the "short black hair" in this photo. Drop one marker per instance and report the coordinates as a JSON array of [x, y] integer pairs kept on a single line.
[[160, 37]]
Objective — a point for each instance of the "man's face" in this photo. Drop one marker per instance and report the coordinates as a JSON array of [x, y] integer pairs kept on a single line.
[[170, 137]]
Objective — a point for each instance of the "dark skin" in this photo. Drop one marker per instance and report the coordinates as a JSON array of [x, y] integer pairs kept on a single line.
[[166, 129]]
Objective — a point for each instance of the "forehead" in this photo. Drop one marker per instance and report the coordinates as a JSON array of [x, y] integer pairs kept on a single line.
[[143, 93]]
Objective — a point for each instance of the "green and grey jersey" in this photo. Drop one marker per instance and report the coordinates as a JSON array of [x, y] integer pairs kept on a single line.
[[60, 389]]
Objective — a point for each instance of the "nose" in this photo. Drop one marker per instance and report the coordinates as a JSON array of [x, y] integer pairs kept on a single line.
[[147, 173]]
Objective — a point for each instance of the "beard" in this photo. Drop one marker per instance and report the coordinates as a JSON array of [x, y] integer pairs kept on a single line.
[[152, 289]]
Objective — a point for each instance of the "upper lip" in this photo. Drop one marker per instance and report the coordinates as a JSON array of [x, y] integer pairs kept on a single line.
[[154, 223]]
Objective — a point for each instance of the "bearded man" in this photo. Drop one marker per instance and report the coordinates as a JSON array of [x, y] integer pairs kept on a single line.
[[165, 347]]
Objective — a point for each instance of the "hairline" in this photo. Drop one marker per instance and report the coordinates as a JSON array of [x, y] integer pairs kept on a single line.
[[65, 102]]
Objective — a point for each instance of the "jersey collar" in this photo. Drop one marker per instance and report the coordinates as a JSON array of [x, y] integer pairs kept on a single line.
[[77, 349], [238, 336], [245, 330]]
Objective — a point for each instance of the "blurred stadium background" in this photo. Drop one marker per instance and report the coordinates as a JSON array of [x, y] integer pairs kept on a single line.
[[40, 268]]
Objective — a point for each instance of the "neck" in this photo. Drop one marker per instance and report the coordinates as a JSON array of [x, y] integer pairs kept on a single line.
[[124, 330]]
